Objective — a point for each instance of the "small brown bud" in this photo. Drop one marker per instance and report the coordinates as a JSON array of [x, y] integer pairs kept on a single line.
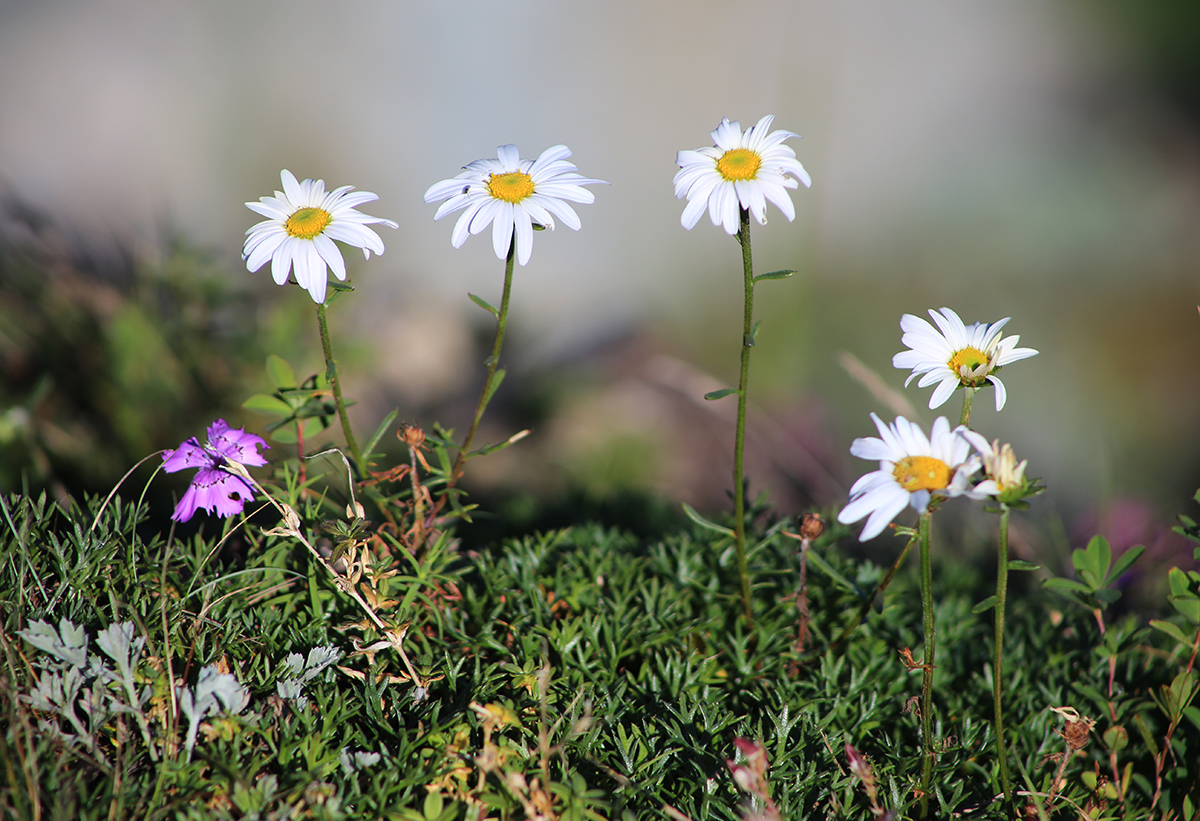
[[810, 526], [411, 435], [1076, 733]]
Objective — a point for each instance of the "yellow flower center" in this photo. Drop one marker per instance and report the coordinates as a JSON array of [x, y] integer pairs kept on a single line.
[[511, 187], [922, 473], [974, 360], [739, 164], [307, 223]]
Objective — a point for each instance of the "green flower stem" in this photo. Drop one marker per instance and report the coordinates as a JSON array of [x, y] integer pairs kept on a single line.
[[869, 601], [739, 442], [331, 374], [1001, 595], [968, 398], [928, 753], [464, 452]]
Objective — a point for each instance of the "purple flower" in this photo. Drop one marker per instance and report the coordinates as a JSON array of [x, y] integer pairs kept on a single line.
[[213, 487]]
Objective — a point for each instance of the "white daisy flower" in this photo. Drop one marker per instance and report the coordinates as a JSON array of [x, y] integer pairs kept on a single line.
[[513, 195], [956, 355], [740, 171], [301, 224], [912, 470]]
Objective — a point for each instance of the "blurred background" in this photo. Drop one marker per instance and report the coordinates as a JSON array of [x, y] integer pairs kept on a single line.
[[1039, 161]]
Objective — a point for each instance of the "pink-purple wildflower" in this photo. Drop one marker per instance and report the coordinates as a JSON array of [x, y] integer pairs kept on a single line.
[[215, 488]]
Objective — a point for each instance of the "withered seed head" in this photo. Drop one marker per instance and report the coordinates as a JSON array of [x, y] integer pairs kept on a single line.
[[411, 435]]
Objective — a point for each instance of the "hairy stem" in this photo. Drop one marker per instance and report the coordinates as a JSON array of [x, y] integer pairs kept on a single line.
[[927, 740], [331, 375], [489, 387], [739, 442], [968, 399], [998, 660]]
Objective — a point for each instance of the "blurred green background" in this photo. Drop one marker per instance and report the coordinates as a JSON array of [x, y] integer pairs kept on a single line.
[[1039, 161]]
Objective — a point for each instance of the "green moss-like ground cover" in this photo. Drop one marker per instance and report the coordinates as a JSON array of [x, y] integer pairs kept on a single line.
[[579, 673]]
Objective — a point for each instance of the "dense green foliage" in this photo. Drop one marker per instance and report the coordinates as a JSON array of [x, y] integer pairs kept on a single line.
[[580, 673]]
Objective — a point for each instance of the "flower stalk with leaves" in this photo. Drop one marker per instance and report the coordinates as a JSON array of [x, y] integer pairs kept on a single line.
[[516, 197], [733, 180], [298, 236], [917, 471]]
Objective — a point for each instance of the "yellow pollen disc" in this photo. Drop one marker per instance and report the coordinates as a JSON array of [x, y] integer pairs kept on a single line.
[[307, 223], [511, 187], [922, 473], [972, 358], [739, 164]]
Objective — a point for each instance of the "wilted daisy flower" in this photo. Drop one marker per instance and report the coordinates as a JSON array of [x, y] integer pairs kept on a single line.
[[512, 195], [740, 171], [302, 222], [956, 355], [1005, 477], [213, 487], [912, 469]]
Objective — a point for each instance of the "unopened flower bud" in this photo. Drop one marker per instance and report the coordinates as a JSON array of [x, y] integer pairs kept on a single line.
[[811, 526]]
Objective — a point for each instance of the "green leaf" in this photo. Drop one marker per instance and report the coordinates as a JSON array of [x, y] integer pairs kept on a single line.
[[1171, 630], [379, 432], [1182, 597], [494, 386], [749, 339], [1067, 584], [280, 372], [723, 392], [512, 440], [1144, 732], [985, 605], [433, 806], [775, 275], [705, 523], [271, 405], [1092, 564], [1021, 566], [284, 433], [483, 303], [827, 569], [1127, 558]]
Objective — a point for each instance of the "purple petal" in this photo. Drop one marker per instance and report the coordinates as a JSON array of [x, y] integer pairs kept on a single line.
[[188, 455]]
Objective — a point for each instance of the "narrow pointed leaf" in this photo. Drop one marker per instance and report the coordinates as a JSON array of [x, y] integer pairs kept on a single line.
[[1122, 564], [379, 432], [512, 440], [723, 392], [483, 303], [705, 523], [985, 605], [1017, 564], [495, 386], [1171, 630], [784, 274], [827, 569]]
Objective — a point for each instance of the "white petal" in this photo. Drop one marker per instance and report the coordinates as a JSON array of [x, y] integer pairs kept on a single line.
[[281, 262], [510, 159], [523, 229], [329, 252], [1001, 392], [502, 230], [942, 392]]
